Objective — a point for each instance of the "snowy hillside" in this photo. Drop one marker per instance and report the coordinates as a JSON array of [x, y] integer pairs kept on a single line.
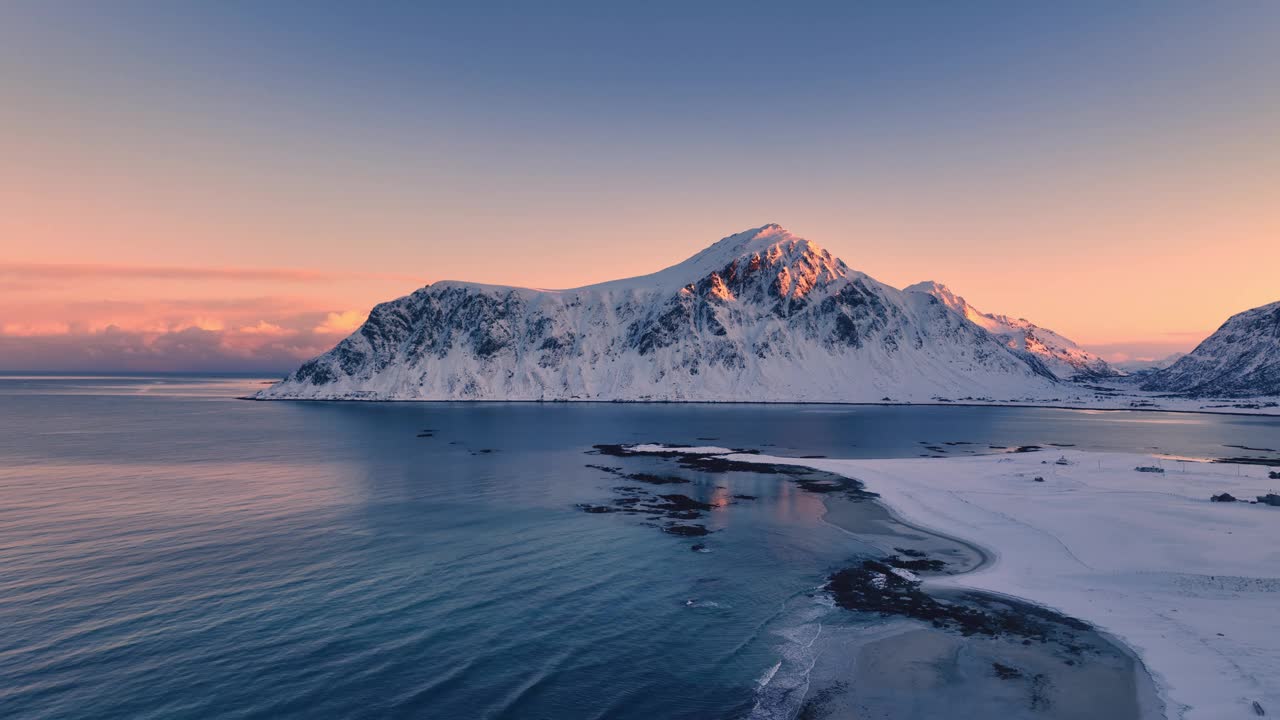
[[1059, 355], [758, 316], [1240, 359]]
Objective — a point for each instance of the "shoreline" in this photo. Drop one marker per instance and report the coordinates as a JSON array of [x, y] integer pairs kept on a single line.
[[1161, 600], [889, 655], [923, 647], [1267, 412]]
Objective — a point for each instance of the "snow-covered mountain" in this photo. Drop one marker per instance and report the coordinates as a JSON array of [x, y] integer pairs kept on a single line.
[[758, 316], [1240, 359], [1059, 355]]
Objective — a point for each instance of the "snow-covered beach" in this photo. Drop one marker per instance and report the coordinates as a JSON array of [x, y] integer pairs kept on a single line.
[[1190, 585]]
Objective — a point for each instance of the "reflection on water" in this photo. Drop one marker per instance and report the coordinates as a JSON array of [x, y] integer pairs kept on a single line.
[[169, 551]]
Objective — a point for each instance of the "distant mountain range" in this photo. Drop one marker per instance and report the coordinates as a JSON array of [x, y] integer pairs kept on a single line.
[[762, 315], [1240, 359], [1146, 367]]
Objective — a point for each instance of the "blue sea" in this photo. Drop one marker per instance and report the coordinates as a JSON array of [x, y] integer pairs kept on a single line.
[[168, 550]]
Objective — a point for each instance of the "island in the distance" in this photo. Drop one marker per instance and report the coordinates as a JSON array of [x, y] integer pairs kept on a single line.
[[760, 316]]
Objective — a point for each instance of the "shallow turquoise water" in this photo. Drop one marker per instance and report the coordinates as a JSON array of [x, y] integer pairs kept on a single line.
[[169, 551]]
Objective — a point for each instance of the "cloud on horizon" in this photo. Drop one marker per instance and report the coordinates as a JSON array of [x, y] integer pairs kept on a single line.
[[25, 273], [171, 318], [264, 346]]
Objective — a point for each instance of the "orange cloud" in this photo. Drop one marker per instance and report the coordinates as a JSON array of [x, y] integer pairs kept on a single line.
[[343, 323]]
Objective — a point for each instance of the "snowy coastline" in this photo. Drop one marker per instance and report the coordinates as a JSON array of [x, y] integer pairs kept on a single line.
[[1189, 585]]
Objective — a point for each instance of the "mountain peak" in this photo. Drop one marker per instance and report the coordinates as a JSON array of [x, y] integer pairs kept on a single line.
[[1240, 359], [1060, 355], [773, 243], [943, 294]]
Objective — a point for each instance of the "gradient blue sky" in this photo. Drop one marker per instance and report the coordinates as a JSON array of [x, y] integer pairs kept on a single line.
[[1110, 170]]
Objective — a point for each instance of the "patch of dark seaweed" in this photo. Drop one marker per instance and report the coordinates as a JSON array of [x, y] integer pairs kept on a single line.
[[874, 587], [652, 479], [607, 468], [918, 563], [815, 481], [686, 530], [681, 502], [1004, 672]]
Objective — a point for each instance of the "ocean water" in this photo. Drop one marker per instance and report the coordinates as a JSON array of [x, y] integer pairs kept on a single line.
[[170, 551]]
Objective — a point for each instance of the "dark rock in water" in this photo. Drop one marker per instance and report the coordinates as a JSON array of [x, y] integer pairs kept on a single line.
[[1274, 475], [682, 502], [1224, 497], [686, 530], [1004, 672], [699, 547], [909, 552], [588, 508], [1149, 469], [1026, 448], [1257, 709], [820, 486], [745, 497], [426, 434], [1039, 479], [812, 457], [1255, 449], [652, 479], [1248, 460], [684, 514], [916, 564], [873, 586], [1270, 499], [612, 470]]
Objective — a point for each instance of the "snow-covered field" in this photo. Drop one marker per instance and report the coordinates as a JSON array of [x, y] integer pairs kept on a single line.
[[1192, 586], [1120, 395]]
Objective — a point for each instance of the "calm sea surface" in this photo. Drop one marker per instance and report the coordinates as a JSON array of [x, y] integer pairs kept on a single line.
[[169, 551]]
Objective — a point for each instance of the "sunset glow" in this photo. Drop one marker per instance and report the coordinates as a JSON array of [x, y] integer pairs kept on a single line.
[[221, 190]]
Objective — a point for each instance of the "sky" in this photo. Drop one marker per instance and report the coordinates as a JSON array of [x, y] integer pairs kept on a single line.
[[233, 185]]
